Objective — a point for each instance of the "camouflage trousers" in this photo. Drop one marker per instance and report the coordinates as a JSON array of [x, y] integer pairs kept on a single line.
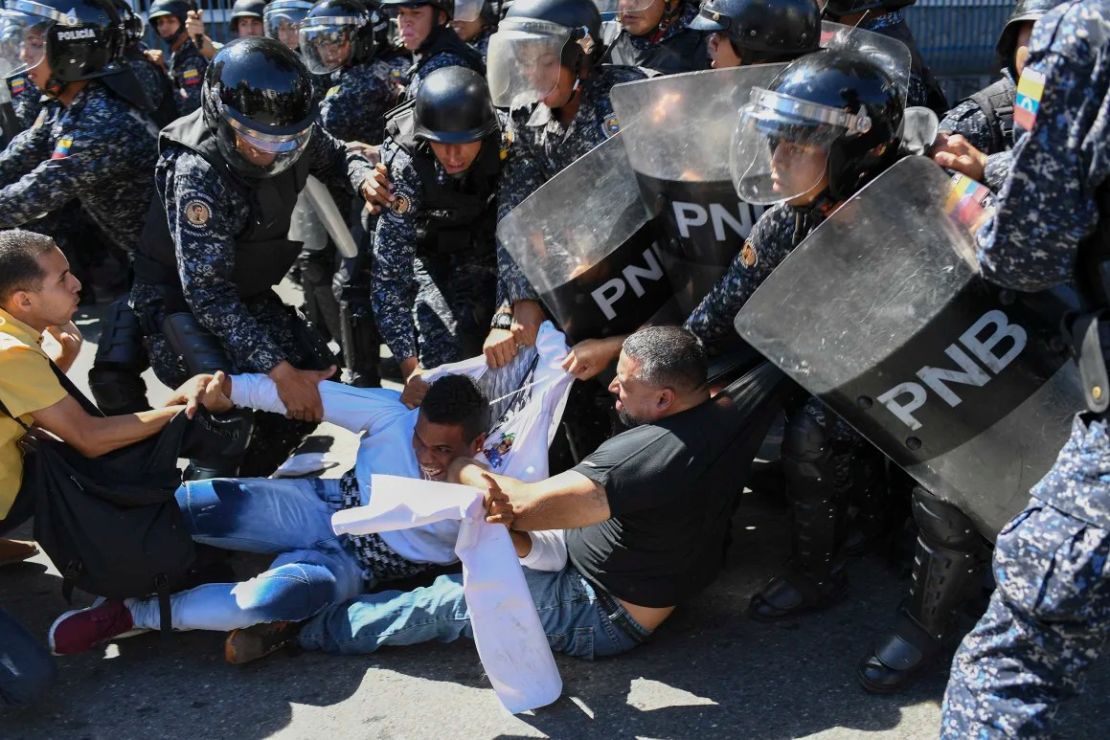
[[1046, 624], [454, 306]]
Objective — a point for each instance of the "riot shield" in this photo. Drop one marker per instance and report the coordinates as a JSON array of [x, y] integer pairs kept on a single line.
[[677, 131], [585, 243], [882, 314]]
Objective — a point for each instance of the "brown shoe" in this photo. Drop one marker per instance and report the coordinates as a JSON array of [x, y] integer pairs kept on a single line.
[[251, 643], [16, 551]]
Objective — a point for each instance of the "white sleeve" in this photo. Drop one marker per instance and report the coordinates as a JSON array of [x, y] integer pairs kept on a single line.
[[355, 409], [549, 551]]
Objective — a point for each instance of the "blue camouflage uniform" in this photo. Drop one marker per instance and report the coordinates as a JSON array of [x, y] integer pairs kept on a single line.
[[152, 79], [670, 48], [26, 100], [97, 150], [1050, 614], [480, 43], [539, 146], [257, 333], [186, 69], [436, 307], [354, 105], [988, 134], [924, 89], [443, 48]]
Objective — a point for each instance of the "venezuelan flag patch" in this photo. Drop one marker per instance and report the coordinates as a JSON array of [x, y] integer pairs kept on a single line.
[[190, 77], [17, 85], [61, 149], [967, 202], [1027, 102]]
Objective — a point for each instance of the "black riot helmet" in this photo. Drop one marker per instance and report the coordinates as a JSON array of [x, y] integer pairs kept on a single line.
[[531, 33], [1025, 11], [81, 39], [133, 26], [257, 92], [763, 31], [245, 9], [281, 17], [453, 106], [838, 8], [179, 9], [337, 33], [841, 105], [447, 6]]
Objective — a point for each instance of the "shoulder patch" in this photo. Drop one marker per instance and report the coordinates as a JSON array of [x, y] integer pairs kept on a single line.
[[611, 125], [190, 77], [749, 258], [402, 205], [61, 149], [197, 212], [17, 85], [1027, 101]]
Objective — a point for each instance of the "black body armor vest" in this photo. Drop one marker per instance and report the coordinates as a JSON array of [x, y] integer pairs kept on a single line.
[[683, 52], [263, 252], [997, 103]]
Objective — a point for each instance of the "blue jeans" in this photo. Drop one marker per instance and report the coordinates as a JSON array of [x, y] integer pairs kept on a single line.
[[291, 517], [578, 620], [26, 670]]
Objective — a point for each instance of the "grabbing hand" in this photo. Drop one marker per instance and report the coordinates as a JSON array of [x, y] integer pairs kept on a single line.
[[499, 348], [590, 356], [211, 391], [155, 55], [299, 391], [527, 317], [955, 152], [498, 508], [415, 389], [377, 190]]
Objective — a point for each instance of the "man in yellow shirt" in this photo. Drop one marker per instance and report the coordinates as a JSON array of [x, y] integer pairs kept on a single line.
[[38, 293]]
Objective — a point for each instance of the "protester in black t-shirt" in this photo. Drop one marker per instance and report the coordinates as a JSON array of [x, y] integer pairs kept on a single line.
[[645, 515]]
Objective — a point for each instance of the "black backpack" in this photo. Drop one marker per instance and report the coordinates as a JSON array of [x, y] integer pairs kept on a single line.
[[111, 524]]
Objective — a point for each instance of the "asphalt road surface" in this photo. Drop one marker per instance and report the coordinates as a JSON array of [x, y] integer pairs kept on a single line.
[[709, 672]]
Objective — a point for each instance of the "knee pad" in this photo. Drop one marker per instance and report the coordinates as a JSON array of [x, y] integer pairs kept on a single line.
[[216, 443], [943, 524], [118, 390], [121, 338], [805, 439]]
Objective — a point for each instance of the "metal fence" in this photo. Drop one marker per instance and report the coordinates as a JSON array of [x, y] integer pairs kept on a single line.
[[957, 39]]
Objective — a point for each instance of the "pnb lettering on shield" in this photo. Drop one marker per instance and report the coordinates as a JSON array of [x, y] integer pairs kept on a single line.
[[608, 293], [992, 340]]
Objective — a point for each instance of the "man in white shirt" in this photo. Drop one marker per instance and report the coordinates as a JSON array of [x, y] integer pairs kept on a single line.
[[292, 518]]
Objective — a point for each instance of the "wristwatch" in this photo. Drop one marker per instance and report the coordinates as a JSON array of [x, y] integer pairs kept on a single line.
[[502, 320]]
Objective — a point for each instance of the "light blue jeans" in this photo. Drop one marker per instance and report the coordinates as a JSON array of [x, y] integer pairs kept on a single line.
[[578, 619], [291, 517]]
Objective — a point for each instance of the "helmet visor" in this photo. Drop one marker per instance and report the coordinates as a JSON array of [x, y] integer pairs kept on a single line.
[[255, 153], [467, 10], [780, 149], [524, 62], [615, 8], [280, 19], [327, 43], [24, 38]]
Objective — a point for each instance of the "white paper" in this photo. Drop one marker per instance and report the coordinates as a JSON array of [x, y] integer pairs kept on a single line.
[[507, 631]]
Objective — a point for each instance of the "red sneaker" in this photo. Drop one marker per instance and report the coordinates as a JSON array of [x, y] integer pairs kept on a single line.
[[83, 629]]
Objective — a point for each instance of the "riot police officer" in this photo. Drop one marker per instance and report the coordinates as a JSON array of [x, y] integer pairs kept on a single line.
[[20, 48], [885, 17], [435, 269], [186, 65], [280, 19], [474, 21], [758, 31], [424, 31], [246, 18], [155, 83], [216, 240], [827, 125], [558, 113], [339, 41], [657, 35], [1048, 618], [985, 121]]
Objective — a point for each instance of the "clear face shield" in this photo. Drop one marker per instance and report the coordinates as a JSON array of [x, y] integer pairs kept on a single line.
[[280, 19], [467, 11], [26, 24], [525, 61], [615, 8], [780, 150], [255, 153], [326, 43]]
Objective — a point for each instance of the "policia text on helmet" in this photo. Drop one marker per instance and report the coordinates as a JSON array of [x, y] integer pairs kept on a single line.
[[541, 52]]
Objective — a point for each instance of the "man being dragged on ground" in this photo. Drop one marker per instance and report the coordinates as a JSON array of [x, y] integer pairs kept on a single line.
[[315, 567], [646, 517]]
